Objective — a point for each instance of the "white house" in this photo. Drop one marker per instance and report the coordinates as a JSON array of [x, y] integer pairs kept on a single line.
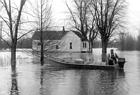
[[60, 41]]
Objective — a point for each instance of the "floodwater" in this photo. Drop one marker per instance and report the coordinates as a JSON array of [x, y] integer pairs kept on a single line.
[[32, 79]]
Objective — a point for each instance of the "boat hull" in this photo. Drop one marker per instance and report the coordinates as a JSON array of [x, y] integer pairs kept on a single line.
[[71, 65]]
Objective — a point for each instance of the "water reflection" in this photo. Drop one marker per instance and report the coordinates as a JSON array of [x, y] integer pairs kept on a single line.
[[110, 82], [82, 82], [31, 79], [41, 81], [14, 85]]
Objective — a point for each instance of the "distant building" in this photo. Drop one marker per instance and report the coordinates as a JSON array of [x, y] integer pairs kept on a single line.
[[60, 41]]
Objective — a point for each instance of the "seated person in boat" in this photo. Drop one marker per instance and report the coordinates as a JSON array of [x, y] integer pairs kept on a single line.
[[112, 57]]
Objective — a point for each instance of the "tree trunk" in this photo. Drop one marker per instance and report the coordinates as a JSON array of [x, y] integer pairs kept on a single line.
[[14, 85], [104, 49], [13, 58], [42, 54], [42, 48], [90, 46]]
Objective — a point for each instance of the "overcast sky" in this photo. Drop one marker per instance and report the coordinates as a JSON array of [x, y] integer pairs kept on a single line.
[[59, 9], [134, 16], [59, 14]]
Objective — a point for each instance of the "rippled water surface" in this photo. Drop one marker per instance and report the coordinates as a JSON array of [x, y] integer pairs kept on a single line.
[[32, 79]]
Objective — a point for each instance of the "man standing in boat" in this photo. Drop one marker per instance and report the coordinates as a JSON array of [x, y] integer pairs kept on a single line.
[[112, 57]]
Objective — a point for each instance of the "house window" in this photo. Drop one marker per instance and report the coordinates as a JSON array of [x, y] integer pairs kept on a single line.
[[57, 47], [70, 45], [39, 44], [84, 44]]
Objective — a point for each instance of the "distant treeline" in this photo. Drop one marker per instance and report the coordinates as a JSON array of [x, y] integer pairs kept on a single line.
[[128, 42], [23, 43], [97, 44]]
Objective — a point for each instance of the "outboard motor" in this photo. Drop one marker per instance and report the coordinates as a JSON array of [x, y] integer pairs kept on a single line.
[[121, 62]]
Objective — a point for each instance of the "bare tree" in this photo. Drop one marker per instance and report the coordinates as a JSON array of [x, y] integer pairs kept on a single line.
[[83, 20], [12, 20], [14, 84], [42, 15], [109, 18]]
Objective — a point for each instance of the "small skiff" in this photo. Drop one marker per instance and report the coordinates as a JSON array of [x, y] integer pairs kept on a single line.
[[79, 64]]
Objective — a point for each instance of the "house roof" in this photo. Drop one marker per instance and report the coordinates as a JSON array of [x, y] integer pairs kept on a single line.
[[80, 35], [55, 35], [49, 35]]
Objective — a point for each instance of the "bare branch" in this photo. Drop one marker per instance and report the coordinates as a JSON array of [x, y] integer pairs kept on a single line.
[[25, 34], [5, 41]]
